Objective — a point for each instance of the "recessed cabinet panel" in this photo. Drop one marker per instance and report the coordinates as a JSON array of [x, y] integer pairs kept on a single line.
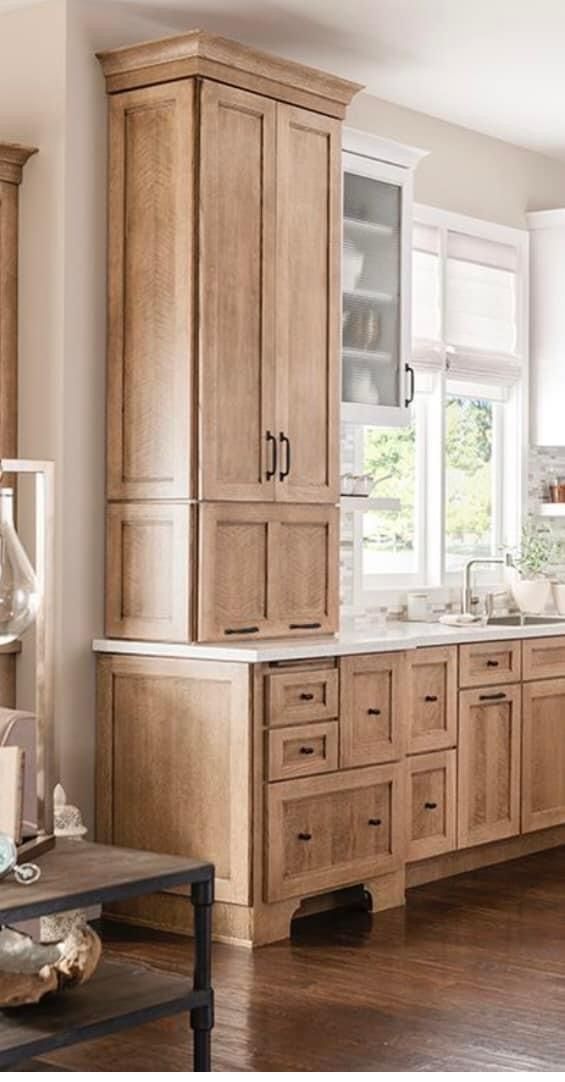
[[292, 697], [302, 749], [432, 710], [308, 304], [543, 755], [237, 251], [266, 570], [327, 832], [489, 663], [489, 764], [371, 709], [544, 658], [148, 594], [431, 807], [150, 305]]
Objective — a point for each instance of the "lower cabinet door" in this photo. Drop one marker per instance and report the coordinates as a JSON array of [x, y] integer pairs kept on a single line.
[[489, 764], [430, 804], [372, 699], [432, 699], [266, 570], [328, 832], [543, 751]]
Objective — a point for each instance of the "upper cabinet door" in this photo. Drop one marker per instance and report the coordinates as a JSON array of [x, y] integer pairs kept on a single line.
[[150, 309], [238, 437], [308, 304]]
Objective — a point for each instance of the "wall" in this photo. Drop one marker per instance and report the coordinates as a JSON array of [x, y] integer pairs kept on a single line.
[[466, 172], [52, 94]]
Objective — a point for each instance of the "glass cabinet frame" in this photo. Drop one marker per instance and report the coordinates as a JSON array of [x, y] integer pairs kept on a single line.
[[387, 163]]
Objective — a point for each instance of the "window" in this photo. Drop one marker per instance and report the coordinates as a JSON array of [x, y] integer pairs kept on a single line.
[[457, 469]]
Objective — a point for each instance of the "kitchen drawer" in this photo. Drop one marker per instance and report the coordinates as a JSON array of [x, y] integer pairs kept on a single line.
[[543, 657], [302, 749], [432, 705], [333, 831], [431, 804], [371, 708], [292, 697], [484, 663]]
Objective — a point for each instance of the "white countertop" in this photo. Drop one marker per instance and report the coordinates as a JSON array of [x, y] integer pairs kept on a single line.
[[391, 636]]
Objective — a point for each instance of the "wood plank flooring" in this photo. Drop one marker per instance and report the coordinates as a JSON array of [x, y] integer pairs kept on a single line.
[[470, 976]]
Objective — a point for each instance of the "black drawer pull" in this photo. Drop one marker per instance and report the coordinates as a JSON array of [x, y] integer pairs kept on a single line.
[[307, 627], [240, 630], [375, 822], [430, 698], [304, 836], [271, 471], [307, 751], [430, 805], [495, 695], [492, 664], [285, 443], [373, 711], [306, 696]]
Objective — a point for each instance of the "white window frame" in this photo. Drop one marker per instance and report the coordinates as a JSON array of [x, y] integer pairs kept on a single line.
[[511, 430]]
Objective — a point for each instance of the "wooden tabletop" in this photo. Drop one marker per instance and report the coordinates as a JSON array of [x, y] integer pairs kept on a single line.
[[76, 874]]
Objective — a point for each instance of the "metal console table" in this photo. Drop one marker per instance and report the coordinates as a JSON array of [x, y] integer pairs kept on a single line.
[[78, 874]]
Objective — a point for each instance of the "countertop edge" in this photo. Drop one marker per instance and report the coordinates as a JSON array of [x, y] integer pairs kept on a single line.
[[402, 636]]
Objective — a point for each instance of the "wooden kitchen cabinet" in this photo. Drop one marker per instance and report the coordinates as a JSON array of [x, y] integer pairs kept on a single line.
[[431, 810], [432, 698], [166, 728], [267, 570], [543, 754], [489, 764], [302, 749], [325, 832], [484, 663], [544, 658], [292, 697], [224, 314], [372, 711]]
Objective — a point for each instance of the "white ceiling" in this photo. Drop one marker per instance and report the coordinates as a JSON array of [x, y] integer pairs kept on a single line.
[[497, 66]]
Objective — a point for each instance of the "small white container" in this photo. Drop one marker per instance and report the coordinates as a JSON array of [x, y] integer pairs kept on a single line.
[[418, 606], [559, 597]]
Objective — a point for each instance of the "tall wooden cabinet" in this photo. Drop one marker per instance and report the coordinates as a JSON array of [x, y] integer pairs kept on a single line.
[[224, 323]]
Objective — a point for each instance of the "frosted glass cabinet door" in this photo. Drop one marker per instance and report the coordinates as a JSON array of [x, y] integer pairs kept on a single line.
[[375, 386]]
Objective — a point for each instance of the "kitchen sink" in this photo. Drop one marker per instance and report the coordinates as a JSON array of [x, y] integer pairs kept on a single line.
[[518, 620]]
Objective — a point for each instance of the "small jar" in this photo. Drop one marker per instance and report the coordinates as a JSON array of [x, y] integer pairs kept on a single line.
[[418, 606]]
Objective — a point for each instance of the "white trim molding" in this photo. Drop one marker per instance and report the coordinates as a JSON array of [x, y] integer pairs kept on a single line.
[[384, 150]]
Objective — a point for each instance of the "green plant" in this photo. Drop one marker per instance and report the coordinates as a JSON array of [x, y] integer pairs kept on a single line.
[[536, 551]]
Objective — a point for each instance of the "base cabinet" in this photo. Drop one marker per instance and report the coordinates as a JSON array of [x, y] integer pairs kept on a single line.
[[332, 831], [489, 764], [371, 709], [543, 755]]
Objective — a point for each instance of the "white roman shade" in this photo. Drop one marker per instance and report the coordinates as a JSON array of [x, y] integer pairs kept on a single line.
[[465, 304]]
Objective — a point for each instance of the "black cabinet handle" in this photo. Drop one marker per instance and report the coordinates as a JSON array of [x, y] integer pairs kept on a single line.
[[272, 440], [307, 751], [375, 822], [240, 630], [305, 627], [430, 805], [430, 698], [492, 664], [495, 695], [373, 710], [306, 696], [304, 836], [285, 443], [408, 401]]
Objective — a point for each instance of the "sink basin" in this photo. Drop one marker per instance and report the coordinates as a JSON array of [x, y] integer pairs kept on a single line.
[[518, 620]]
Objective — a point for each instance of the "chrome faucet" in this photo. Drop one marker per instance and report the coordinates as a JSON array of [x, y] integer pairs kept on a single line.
[[467, 592]]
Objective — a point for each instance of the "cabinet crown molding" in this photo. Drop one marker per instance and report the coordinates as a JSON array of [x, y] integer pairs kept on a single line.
[[198, 53], [13, 157]]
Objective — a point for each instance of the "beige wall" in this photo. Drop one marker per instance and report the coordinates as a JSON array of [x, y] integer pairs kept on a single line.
[[52, 94], [466, 172]]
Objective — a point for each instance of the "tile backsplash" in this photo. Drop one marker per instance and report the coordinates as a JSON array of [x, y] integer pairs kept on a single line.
[[544, 464]]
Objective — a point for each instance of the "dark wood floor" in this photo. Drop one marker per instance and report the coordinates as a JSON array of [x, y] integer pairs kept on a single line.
[[470, 976]]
